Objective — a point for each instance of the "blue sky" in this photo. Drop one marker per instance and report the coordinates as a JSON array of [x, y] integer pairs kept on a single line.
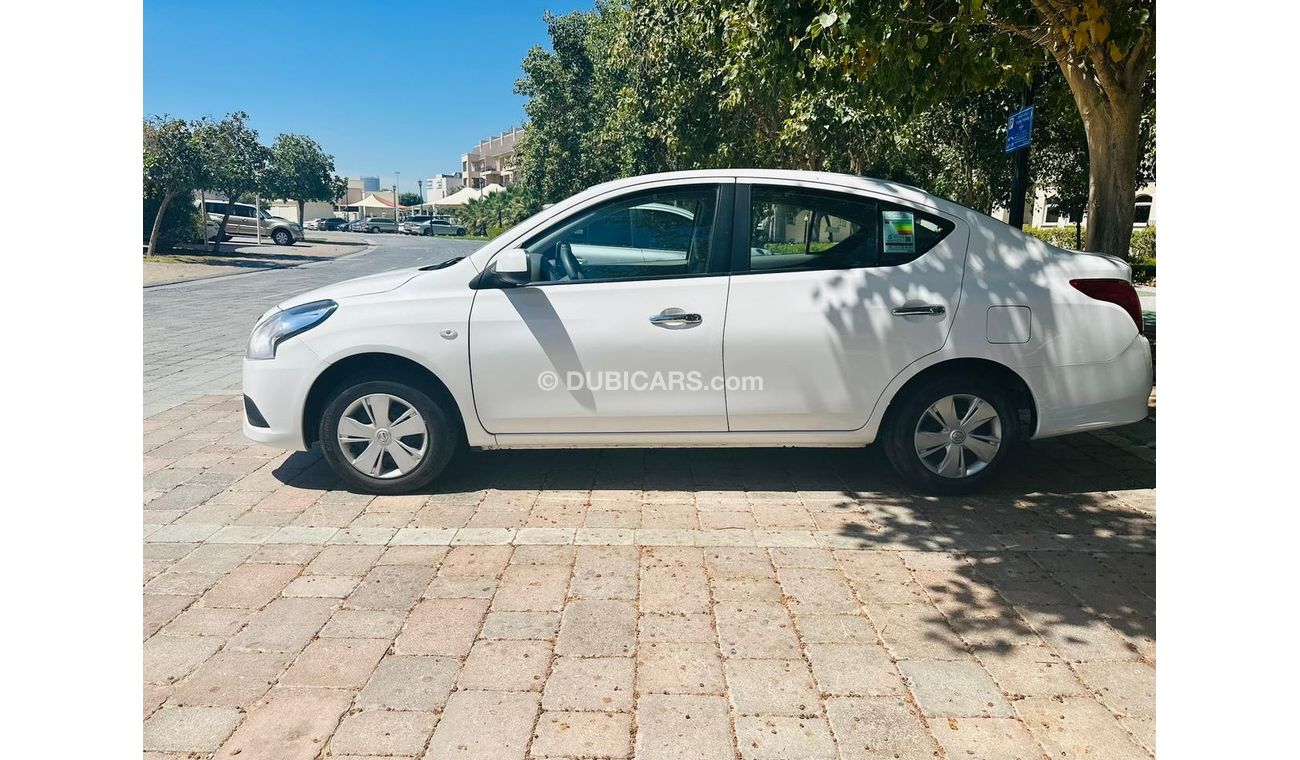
[[384, 87]]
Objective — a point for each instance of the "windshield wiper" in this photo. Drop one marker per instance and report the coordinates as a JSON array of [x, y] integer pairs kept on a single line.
[[442, 264]]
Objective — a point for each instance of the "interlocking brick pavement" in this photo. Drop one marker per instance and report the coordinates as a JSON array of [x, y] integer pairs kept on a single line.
[[643, 603]]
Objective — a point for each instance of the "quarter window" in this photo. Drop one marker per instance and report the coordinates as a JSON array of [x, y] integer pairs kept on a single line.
[[665, 233]]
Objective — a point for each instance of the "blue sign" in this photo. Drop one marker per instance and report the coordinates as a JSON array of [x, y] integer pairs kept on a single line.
[[1018, 129]]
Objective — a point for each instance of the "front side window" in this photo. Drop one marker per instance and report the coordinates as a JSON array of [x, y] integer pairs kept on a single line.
[[795, 229], [656, 234]]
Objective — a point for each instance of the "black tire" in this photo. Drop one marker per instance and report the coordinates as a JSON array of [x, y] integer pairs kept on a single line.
[[460, 232], [443, 436], [428, 233], [282, 237], [901, 429], [373, 230]]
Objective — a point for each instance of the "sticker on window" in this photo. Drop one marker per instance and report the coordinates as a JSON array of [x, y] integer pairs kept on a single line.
[[899, 231]]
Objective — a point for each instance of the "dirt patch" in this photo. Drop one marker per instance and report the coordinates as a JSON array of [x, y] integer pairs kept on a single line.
[[237, 257]]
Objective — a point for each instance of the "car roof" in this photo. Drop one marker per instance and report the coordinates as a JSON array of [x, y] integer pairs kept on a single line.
[[852, 181]]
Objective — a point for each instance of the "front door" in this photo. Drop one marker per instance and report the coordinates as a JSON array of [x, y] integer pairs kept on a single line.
[[606, 338], [836, 294]]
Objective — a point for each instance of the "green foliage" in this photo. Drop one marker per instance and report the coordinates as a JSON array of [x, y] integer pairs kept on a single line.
[[502, 209], [1143, 245], [234, 161], [173, 165], [406, 199], [1142, 250], [173, 162], [181, 222], [907, 91], [298, 169]]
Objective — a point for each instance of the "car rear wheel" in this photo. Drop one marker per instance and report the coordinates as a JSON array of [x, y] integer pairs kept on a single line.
[[282, 237], [373, 230], [386, 437], [428, 233], [951, 435]]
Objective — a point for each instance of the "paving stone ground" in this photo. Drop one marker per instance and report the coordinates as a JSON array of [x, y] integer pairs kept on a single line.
[[769, 603]]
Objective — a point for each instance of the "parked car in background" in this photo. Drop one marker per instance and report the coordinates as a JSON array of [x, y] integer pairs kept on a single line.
[[333, 223], [314, 224], [210, 229], [438, 227], [246, 219], [849, 310], [373, 224], [411, 222]]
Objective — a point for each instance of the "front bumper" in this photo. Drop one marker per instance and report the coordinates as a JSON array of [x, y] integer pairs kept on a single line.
[[278, 388]]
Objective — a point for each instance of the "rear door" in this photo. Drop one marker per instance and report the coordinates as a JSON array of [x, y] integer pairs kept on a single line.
[[834, 293]]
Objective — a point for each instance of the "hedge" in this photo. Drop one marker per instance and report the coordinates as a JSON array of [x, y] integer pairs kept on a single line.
[[1142, 247], [180, 224]]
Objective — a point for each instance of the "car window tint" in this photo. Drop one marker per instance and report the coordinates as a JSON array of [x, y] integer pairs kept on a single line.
[[794, 229], [797, 229], [662, 233]]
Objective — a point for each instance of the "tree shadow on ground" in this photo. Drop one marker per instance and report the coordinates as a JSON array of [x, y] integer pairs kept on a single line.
[[1057, 551]]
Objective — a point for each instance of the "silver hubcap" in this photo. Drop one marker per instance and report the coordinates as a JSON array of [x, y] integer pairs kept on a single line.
[[383, 436], [958, 436]]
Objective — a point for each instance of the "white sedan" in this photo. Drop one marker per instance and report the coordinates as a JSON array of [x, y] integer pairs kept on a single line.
[[711, 308]]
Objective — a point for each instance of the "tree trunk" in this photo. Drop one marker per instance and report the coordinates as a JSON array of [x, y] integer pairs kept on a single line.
[[221, 228], [301, 205], [157, 220], [1112, 165], [1109, 98]]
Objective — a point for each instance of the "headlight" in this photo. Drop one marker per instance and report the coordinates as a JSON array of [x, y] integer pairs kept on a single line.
[[282, 325]]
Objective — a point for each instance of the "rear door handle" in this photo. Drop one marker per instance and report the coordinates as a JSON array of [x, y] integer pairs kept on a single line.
[[919, 311], [675, 317]]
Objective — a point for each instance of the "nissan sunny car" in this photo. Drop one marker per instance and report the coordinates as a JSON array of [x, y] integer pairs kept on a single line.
[[711, 308]]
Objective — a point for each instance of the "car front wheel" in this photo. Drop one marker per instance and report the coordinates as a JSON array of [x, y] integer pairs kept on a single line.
[[951, 435], [282, 237], [386, 437]]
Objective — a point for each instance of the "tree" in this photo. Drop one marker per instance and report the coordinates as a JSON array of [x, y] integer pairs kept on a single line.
[[300, 170], [920, 52], [234, 160], [407, 199], [173, 166]]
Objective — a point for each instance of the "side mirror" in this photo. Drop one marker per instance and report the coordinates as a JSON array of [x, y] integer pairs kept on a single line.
[[510, 268]]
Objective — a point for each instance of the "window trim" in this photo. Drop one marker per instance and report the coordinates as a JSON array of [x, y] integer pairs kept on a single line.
[[720, 238], [740, 253]]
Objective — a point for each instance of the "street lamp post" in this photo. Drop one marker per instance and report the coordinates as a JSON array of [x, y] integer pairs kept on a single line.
[[397, 204]]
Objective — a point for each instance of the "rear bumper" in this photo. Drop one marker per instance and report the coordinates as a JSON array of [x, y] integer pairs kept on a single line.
[[278, 389], [1080, 397]]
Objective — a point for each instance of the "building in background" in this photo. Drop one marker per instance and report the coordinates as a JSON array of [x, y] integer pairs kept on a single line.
[[369, 184], [492, 162], [1039, 213], [440, 186]]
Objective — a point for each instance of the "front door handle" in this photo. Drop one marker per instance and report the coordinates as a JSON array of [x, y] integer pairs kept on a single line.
[[675, 318], [919, 311]]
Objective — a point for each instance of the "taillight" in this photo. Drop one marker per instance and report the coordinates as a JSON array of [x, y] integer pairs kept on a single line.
[[1119, 292]]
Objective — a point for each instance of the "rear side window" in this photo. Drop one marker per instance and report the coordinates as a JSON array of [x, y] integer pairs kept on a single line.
[[797, 229]]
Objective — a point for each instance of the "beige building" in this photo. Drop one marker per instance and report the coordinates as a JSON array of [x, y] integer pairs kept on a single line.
[[492, 162], [1045, 215]]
